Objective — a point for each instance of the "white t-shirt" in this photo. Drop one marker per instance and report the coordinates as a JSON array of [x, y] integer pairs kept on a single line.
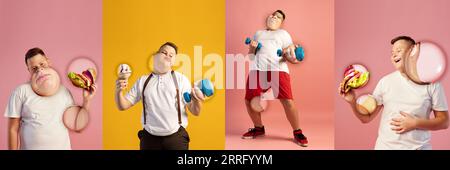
[[397, 93], [266, 58], [42, 126], [161, 102]]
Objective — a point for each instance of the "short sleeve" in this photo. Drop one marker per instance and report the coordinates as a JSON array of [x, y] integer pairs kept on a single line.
[[257, 35], [286, 39], [185, 85], [438, 98], [378, 92], [68, 98], [15, 102], [134, 95]]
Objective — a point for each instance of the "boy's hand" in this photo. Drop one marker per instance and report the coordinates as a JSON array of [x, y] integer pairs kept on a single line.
[[121, 84], [289, 54], [405, 123], [291, 50], [197, 97], [349, 96], [88, 95], [253, 45]]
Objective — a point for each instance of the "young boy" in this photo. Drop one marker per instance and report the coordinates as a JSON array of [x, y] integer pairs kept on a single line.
[[35, 109], [268, 64], [405, 120], [164, 113]]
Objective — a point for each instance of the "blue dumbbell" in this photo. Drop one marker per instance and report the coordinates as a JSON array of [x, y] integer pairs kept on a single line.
[[299, 53], [248, 41], [205, 86]]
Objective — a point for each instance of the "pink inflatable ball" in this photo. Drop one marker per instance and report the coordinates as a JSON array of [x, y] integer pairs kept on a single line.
[[366, 104], [258, 104], [426, 63], [73, 121]]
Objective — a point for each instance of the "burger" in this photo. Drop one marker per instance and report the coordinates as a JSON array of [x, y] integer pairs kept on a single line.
[[355, 76], [85, 80]]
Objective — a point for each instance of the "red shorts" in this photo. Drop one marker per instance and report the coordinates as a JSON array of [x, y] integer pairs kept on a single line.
[[261, 81]]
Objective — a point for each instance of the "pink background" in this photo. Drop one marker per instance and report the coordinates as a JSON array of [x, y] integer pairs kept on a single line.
[[65, 30], [310, 23], [364, 29]]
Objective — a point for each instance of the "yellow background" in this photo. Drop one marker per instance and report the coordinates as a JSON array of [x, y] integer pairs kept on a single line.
[[132, 30]]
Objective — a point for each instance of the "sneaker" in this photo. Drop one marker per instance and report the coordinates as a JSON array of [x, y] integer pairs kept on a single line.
[[254, 132], [300, 139]]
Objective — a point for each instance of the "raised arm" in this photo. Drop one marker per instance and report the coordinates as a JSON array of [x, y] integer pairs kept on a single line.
[[351, 100], [121, 102], [76, 118]]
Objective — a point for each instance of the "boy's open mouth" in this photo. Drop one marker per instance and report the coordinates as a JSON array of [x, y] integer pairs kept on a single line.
[[397, 60]]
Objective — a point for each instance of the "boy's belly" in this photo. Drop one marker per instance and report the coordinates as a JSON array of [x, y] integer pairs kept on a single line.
[[48, 137]]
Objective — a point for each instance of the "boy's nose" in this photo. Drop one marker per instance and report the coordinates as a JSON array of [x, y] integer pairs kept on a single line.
[[40, 69]]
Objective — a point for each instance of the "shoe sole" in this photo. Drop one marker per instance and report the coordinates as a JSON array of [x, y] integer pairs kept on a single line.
[[252, 137], [300, 144]]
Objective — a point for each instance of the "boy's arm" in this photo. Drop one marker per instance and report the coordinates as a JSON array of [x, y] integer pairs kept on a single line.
[[77, 118], [291, 48], [195, 105], [408, 122], [13, 133], [351, 100], [440, 121], [121, 102], [252, 47]]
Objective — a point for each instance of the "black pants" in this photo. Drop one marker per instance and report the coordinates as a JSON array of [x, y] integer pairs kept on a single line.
[[177, 141]]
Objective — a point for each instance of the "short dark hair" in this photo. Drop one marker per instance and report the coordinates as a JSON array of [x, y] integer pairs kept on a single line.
[[281, 12], [402, 37], [33, 52], [171, 44]]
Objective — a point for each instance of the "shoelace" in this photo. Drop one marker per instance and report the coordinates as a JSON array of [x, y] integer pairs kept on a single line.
[[252, 130], [300, 136]]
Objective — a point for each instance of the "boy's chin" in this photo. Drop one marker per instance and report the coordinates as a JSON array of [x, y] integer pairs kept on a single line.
[[48, 88], [270, 27], [400, 68]]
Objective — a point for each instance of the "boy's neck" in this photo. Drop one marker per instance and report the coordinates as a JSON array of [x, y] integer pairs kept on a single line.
[[402, 72], [161, 73], [268, 29]]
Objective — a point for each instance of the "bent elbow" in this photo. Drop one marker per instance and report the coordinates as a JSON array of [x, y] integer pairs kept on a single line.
[[365, 121], [121, 108], [196, 113]]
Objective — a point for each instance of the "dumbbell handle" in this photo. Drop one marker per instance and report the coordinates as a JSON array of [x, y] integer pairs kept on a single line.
[[299, 53], [248, 41], [206, 88]]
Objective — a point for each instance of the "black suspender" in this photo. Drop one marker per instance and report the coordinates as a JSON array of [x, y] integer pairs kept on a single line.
[[178, 96], [143, 97]]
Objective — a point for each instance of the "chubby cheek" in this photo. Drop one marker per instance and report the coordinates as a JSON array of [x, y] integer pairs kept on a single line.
[[34, 77], [172, 61], [54, 76], [268, 23]]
